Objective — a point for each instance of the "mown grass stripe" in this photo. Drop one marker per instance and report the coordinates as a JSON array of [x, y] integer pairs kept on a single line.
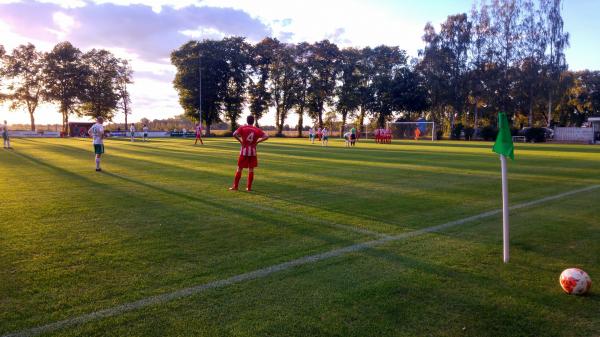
[[259, 273]]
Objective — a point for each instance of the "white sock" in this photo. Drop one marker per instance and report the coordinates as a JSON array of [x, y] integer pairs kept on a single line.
[[97, 163]]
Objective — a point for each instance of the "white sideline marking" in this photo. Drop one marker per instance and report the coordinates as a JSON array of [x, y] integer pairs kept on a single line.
[[186, 292]]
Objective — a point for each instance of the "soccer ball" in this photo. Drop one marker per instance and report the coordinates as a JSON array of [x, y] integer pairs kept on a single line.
[[575, 281]]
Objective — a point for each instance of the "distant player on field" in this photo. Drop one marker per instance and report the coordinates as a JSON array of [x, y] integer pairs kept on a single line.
[[347, 138], [311, 135], [132, 131], [353, 136], [325, 136], [97, 134], [5, 136], [249, 136], [145, 129], [199, 134]]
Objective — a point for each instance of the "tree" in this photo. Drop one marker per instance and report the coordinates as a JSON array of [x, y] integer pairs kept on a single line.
[[24, 67], [365, 90], [323, 62], [124, 78], [303, 53], [260, 97], [557, 41], [387, 62], [409, 91], [237, 56], [532, 48], [2, 53], [348, 89], [455, 38], [65, 78], [284, 83], [478, 78], [102, 95], [506, 15], [190, 60], [435, 65]]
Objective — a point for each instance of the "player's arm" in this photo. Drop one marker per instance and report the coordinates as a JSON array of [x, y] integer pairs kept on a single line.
[[237, 137], [264, 137], [90, 131]]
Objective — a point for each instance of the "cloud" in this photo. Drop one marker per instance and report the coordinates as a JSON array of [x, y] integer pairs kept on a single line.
[[338, 38], [136, 28]]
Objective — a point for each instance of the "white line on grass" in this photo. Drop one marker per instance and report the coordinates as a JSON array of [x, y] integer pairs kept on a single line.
[[186, 292]]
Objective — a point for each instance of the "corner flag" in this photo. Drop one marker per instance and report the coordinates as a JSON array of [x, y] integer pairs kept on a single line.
[[505, 148], [504, 145]]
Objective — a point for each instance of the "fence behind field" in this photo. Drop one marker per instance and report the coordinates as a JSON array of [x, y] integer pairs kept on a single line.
[[573, 134]]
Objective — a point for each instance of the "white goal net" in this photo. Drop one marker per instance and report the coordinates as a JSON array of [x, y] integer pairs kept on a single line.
[[420, 130]]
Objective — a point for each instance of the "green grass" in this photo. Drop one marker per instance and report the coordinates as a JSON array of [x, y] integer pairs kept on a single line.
[[160, 218]]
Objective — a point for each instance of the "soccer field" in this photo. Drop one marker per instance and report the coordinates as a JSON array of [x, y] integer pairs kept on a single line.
[[379, 240]]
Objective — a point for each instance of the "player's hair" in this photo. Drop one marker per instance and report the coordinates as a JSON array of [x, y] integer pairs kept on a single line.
[[99, 117], [250, 120]]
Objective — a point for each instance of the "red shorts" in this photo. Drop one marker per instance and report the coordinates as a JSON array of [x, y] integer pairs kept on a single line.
[[247, 161]]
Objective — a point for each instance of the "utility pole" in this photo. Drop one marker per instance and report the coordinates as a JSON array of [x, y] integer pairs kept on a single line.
[[199, 90]]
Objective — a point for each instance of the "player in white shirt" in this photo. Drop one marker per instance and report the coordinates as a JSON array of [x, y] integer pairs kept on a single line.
[[132, 131], [347, 138], [97, 134], [325, 134], [311, 135], [145, 129]]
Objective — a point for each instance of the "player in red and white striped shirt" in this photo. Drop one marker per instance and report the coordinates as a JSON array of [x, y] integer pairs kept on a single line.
[[249, 136]]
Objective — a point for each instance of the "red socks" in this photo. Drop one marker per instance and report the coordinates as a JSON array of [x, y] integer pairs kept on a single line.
[[250, 179], [236, 182]]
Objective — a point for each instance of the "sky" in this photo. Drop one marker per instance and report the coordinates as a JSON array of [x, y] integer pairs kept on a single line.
[[145, 32]]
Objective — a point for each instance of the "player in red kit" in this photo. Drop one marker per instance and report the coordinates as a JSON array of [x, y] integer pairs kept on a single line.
[[249, 136]]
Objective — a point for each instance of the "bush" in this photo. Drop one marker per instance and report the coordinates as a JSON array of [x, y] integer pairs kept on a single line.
[[228, 134], [439, 134], [279, 135], [536, 135], [469, 132], [489, 133], [457, 131]]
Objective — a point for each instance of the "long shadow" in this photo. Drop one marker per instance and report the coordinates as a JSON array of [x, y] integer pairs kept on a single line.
[[243, 211]]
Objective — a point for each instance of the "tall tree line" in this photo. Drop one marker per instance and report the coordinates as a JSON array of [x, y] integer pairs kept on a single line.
[[92, 83], [311, 79], [505, 55]]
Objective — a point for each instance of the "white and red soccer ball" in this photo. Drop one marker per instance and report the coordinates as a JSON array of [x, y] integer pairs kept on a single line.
[[575, 281]]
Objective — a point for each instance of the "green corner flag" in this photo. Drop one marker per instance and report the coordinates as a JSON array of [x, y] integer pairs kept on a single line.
[[504, 144]]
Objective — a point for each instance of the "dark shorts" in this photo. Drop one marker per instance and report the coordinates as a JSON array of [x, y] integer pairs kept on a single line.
[[353, 136], [248, 161], [145, 135], [98, 148]]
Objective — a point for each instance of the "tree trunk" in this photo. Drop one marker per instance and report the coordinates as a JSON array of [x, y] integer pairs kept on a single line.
[[280, 124], [126, 119], [549, 109], [344, 115], [207, 132], [530, 117], [320, 119], [361, 119], [300, 122], [32, 120], [476, 114]]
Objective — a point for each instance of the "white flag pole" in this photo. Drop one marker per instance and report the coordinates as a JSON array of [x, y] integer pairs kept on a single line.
[[505, 223]]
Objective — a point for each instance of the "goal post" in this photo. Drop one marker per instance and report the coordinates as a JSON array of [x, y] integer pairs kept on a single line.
[[412, 130]]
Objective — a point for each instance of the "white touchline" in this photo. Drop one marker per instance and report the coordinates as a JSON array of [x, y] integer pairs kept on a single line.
[[186, 292]]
